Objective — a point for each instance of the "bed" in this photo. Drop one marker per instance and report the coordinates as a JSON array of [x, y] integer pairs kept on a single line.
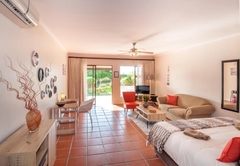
[[180, 149]]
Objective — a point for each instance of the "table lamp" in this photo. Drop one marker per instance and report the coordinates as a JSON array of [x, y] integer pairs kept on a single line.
[[62, 96]]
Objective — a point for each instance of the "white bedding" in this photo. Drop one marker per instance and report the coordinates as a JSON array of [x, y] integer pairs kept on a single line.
[[188, 151]]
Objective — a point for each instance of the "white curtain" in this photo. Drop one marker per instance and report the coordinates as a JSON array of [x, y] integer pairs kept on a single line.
[[77, 86], [145, 73], [139, 73], [149, 74]]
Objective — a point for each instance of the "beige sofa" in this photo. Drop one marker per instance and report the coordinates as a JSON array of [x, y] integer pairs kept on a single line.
[[187, 107]]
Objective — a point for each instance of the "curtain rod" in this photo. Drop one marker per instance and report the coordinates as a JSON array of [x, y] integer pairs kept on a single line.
[[112, 58]]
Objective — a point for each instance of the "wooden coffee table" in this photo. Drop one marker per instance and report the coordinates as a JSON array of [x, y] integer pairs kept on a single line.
[[151, 114]]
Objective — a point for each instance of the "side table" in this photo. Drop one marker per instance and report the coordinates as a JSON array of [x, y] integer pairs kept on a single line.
[[59, 114]]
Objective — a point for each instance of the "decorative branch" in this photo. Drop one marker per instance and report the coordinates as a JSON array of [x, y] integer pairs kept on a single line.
[[25, 79]]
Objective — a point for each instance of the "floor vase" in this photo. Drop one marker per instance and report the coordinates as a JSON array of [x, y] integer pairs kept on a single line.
[[33, 119]]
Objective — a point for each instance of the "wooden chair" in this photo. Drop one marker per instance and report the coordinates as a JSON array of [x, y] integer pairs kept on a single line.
[[129, 101]]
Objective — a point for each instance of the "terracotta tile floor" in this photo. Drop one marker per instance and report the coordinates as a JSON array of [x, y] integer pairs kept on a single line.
[[114, 140]]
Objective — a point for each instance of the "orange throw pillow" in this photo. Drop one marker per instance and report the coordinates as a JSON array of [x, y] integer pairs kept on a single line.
[[172, 99], [231, 151]]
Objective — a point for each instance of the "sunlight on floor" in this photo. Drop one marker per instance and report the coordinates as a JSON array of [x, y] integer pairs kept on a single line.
[[106, 103]]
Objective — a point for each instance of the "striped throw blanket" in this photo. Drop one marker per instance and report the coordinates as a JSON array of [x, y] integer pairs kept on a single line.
[[160, 131]]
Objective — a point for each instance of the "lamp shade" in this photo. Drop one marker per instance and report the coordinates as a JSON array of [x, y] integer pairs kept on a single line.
[[62, 96]]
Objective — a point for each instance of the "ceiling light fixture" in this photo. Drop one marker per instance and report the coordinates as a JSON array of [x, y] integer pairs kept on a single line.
[[135, 53]]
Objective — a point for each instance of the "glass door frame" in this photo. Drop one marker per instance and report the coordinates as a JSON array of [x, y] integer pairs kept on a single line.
[[93, 83]]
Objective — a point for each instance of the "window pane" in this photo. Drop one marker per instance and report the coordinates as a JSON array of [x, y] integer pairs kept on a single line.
[[127, 79]]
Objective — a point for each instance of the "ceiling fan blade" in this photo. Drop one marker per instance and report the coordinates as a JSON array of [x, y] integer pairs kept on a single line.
[[145, 52], [134, 51], [124, 51]]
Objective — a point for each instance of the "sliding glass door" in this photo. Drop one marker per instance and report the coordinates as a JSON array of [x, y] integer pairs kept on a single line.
[[91, 81], [99, 83]]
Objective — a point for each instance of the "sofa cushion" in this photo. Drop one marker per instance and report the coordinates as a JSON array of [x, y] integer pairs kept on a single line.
[[186, 101], [180, 112], [166, 107], [172, 99]]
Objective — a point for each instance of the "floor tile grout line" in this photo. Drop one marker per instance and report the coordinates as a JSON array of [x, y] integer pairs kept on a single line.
[[69, 152], [118, 147], [137, 148], [117, 117], [102, 144]]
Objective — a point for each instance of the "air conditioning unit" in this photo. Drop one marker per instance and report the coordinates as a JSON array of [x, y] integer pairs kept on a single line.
[[21, 12]]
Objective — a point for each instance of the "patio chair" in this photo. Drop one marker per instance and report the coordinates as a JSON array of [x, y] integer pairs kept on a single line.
[[86, 107], [129, 101]]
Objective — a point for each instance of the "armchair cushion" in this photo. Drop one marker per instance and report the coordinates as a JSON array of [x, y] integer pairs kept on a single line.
[[130, 105]]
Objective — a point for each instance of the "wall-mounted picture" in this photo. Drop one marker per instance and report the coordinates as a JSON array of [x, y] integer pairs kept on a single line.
[[116, 74], [64, 69], [233, 71]]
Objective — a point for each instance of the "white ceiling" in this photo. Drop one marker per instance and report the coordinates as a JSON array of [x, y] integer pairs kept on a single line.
[[107, 26]]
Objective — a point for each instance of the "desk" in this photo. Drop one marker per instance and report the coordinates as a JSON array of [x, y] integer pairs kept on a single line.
[[60, 113]]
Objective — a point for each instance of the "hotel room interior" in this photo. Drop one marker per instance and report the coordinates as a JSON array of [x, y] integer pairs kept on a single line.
[[186, 41]]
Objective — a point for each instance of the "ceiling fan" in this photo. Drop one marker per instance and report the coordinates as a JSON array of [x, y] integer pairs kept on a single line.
[[134, 51]]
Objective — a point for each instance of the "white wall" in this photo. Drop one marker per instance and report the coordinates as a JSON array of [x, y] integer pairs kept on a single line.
[[19, 43], [197, 71]]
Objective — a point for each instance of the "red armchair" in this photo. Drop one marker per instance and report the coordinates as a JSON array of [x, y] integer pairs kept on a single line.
[[129, 101]]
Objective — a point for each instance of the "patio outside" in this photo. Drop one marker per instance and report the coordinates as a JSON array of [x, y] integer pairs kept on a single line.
[[102, 86]]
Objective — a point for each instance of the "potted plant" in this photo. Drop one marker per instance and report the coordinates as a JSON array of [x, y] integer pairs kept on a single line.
[[145, 98], [27, 95]]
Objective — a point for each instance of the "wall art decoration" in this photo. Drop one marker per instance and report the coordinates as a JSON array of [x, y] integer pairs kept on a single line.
[[35, 59], [42, 94], [116, 74], [64, 69], [40, 74], [55, 89], [47, 88], [168, 75], [233, 71], [47, 71], [52, 82], [25, 92], [50, 94], [55, 78]]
